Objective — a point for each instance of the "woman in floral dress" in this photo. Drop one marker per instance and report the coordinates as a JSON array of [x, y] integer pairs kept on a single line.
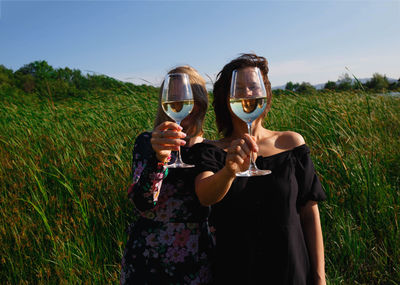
[[170, 242]]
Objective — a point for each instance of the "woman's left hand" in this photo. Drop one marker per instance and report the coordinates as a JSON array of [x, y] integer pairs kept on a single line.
[[238, 154], [167, 137]]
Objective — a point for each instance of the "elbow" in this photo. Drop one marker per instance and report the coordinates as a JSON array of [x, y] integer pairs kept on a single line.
[[203, 200], [204, 189], [199, 190], [207, 201], [141, 203], [204, 203], [207, 197]]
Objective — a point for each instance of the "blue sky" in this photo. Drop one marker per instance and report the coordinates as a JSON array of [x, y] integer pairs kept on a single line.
[[309, 41]]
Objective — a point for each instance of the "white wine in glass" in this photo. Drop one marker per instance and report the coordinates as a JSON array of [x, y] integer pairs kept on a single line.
[[178, 110], [177, 102], [248, 101]]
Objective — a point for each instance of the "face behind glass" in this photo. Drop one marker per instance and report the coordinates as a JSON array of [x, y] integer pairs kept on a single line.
[[176, 88], [248, 83], [247, 86]]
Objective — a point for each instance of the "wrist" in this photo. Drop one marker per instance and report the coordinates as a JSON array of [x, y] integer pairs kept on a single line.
[[227, 173], [319, 279], [163, 158]]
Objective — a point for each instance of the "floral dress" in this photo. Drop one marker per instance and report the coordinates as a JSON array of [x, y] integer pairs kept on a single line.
[[170, 241]]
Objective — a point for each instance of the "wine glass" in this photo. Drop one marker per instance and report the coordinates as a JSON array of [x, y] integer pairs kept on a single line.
[[177, 102], [248, 101]]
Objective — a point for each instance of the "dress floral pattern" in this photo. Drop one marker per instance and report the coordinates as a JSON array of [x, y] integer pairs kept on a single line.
[[170, 241]]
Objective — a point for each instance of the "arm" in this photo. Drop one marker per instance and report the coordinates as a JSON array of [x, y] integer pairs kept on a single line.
[[212, 187], [310, 221], [150, 153], [147, 174]]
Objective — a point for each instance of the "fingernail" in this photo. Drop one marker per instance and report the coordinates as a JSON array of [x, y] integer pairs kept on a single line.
[[180, 128], [182, 142], [184, 135]]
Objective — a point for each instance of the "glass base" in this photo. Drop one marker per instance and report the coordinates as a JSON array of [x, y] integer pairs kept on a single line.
[[179, 165], [253, 172]]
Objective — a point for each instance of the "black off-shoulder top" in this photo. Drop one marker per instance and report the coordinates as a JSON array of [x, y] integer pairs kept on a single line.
[[258, 229]]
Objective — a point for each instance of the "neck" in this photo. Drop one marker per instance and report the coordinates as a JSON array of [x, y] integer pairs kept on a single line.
[[240, 128], [193, 140]]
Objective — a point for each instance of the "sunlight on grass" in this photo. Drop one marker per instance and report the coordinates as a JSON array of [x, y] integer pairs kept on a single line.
[[65, 168]]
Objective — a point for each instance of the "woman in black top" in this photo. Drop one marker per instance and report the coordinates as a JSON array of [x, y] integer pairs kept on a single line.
[[267, 227], [169, 242]]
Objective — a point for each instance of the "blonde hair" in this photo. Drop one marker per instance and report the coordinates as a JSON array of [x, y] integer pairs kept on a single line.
[[200, 96]]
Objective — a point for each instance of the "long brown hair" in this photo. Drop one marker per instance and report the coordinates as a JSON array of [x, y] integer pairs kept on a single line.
[[200, 96], [222, 89]]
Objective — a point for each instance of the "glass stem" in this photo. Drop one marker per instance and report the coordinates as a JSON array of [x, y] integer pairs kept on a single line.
[[179, 159], [252, 164]]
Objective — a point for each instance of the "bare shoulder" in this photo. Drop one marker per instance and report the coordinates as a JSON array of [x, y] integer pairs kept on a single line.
[[289, 140]]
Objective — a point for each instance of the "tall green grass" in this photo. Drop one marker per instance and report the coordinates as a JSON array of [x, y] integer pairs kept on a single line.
[[65, 168]]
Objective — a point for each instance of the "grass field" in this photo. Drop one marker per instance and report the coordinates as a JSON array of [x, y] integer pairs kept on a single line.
[[65, 166]]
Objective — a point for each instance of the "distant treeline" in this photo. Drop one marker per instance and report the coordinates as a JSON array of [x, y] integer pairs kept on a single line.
[[59, 83], [378, 83]]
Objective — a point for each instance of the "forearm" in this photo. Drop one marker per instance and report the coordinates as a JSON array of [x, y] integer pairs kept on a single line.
[[314, 240], [147, 180], [212, 188]]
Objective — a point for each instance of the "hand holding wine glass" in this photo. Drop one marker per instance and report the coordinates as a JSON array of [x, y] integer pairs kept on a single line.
[[248, 101], [177, 102], [238, 154], [167, 137]]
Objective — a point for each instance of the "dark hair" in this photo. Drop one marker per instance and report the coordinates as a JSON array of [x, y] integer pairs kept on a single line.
[[222, 89], [200, 96]]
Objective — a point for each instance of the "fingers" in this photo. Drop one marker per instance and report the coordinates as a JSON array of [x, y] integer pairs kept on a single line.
[[160, 142], [167, 125], [162, 147], [168, 134], [240, 148], [166, 137], [167, 130], [238, 156], [250, 143], [244, 146], [235, 158]]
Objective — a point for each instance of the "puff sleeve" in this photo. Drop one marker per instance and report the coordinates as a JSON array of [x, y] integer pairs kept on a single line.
[[207, 157], [310, 187]]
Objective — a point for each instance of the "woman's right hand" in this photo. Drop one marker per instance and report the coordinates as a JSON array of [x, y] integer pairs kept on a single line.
[[238, 154], [167, 137]]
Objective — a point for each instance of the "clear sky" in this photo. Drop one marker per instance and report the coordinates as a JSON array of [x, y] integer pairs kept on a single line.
[[309, 41]]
